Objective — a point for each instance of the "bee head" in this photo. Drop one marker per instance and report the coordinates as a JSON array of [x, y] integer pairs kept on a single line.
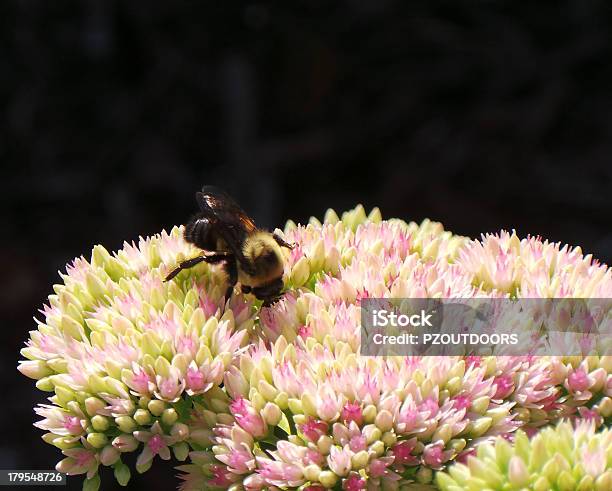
[[264, 256]]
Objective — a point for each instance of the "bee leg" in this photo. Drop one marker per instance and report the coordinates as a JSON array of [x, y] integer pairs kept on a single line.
[[232, 278], [209, 257], [281, 242], [189, 263]]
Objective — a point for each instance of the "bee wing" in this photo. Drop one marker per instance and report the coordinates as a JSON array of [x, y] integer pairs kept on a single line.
[[231, 220]]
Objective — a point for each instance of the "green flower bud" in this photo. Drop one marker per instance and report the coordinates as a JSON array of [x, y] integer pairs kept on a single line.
[[324, 444], [369, 413], [97, 440], [312, 472], [424, 475], [126, 424], [181, 451], [142, 417], [156, 407], [328, 479], [100, 423], [92, 484], [360, 460], [169, 416], [122, 473]]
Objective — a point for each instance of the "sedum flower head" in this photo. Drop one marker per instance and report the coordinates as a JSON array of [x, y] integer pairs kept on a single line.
[[125, 355], [279, 397], [561, 457]]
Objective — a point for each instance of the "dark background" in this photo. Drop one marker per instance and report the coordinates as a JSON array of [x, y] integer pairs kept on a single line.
[[481, 114]]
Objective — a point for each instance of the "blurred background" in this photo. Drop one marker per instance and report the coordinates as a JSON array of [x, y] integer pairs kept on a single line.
[[482, 115]]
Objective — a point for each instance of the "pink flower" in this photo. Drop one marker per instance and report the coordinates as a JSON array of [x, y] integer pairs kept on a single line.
[[339, 461], [429, 406], [378, 467], [403, 452], [473, 361], [505, 385], [461, 402], [313, 429], [305, 332], [433, 455], [280, 473], [590, 415], [578, 380], [354, 483], [358, 443], [248, 418], [352, 412], [221, 477]]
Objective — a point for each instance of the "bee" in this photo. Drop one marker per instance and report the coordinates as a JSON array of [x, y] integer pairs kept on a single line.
[[228, 236]]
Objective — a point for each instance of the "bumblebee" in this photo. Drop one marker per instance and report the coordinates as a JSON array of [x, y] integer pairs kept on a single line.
[[227, 236]]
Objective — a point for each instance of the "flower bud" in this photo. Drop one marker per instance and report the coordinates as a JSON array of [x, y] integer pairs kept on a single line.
[[480, 426], [444, 433], [517, 472], [587, 483], [125, 443], [109, 455], [35, 369], [389, 438], [604, 408], [156, 407], [141, 468], [45, 384], [142, 417], [122, 473], [369, 413], [180, 431], [181, 451], [99, 423], [360, 460], [424, 475], [324, 444], [371, 433], [542, 484], [331, 217], [93, 405], [328, 479], [97, 440], [480, 405], [384, 420], [201, 437], [271, 414], [92, 484], [169, 416], [300, 272], [312, 472], [125, 423], [604, 482], [378, 448], [566, 482]]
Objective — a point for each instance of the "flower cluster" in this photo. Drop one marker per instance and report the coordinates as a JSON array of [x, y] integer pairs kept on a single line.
[[555, 458], [334, 417], [124, 354], [280, 397]]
